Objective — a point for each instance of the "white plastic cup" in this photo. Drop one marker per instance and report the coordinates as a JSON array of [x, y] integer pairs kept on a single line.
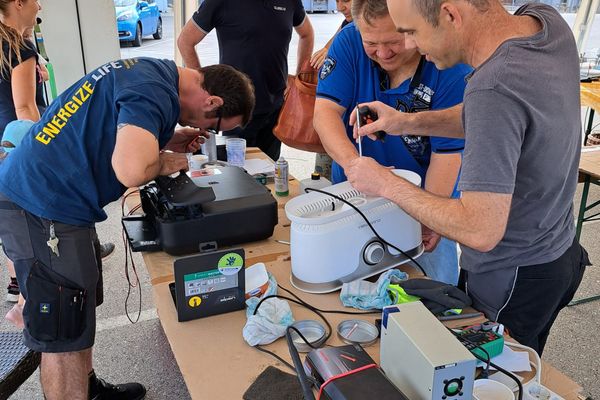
[[197, 161], [236, 151], [487, 389]]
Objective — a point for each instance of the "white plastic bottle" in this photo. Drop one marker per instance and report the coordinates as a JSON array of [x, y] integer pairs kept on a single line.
[[316, 181]]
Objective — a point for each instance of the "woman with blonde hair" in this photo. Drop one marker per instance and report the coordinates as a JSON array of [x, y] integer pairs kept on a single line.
[[21, 96]]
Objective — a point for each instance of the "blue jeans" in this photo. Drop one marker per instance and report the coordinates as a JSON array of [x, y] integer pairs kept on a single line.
[[442, 263]]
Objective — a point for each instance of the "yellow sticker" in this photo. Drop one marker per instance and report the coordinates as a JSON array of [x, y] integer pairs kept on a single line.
[[195, 301]]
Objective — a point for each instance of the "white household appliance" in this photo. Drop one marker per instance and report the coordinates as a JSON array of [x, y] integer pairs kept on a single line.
[[331, 244]]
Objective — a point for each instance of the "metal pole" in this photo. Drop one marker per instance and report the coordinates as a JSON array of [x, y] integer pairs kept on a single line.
[[583, 22]]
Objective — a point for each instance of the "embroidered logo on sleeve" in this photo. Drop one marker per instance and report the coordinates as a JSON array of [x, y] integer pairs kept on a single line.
[[328, 66]]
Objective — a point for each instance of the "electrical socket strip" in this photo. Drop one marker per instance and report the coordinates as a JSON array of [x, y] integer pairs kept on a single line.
[[535, 391]]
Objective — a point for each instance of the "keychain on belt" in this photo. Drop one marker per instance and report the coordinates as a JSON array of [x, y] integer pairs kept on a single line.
[[53, 241]]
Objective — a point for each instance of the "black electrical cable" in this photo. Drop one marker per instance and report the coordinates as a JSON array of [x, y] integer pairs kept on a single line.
[[369, 224], [507, 373], [490, 363], [306, 389]]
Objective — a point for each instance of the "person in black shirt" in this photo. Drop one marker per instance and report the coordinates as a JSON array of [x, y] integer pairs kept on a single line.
[[21, 94], [254, 37]]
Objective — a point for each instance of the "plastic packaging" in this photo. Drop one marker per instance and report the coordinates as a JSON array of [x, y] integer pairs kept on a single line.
[[316, 181], [281, 177]]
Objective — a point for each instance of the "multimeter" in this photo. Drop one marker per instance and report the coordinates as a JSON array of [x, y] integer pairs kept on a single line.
[[477, 336]]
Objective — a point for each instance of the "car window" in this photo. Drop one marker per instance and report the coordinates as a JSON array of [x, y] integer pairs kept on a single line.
[[125, 3]]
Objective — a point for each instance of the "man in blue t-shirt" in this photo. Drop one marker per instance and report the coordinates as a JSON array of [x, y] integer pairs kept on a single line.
[[368, 61], [102, 135]]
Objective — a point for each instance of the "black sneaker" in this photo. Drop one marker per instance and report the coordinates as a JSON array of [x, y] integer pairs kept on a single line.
[[13, 292], [102, 390], [106, 249]]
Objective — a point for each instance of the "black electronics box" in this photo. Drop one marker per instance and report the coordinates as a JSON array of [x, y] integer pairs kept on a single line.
[[209, 284], [243, 211], [370, 383]]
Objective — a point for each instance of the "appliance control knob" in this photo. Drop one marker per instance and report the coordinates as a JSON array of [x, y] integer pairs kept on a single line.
[[374, 253]]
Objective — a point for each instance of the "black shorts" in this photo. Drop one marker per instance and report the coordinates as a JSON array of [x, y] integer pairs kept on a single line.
[[528, 299], [61, 292]]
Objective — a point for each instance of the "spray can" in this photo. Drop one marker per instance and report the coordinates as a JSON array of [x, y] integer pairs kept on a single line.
[[281, 177]]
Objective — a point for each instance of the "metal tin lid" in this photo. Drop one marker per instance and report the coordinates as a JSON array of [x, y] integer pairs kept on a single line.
[[312, 330], [356, 331]]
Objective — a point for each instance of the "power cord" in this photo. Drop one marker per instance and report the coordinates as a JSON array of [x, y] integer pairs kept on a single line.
[[128, 260], [319, 312], [489, 363], [369, 224]]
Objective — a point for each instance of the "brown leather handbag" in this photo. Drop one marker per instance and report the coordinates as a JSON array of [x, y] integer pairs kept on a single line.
[[295, 124]]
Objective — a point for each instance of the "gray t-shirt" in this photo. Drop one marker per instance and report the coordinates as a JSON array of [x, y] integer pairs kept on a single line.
[[523, 134]]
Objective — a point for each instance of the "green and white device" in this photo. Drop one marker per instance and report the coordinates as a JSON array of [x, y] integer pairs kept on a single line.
[[422, 358]]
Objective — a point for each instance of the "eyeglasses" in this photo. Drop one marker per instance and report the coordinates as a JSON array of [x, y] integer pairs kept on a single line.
[[218, 127]]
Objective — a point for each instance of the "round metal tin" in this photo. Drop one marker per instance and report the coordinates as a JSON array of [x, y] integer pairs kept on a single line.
[[356, 331], [312, 330]]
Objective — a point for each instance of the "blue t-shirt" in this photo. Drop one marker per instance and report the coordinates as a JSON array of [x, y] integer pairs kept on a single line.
[[62, 169], [349, 77]]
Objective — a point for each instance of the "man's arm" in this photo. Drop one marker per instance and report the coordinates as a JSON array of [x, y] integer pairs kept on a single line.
[[136, 158], [23, 84], [477, 220], [328, 123], [444, 123], [440, 180], [189, 37], [305, 42]]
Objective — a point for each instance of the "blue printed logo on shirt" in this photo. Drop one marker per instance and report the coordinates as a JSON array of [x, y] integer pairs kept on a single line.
[[44, 308], [327, 67]]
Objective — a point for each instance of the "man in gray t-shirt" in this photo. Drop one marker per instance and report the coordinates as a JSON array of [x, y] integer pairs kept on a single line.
[[521, 120]]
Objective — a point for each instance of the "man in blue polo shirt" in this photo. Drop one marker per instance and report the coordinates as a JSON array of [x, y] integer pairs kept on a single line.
[[254, 37], [368, 61], [104, 134]]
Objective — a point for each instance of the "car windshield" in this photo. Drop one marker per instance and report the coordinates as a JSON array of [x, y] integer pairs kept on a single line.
[[124, 3]]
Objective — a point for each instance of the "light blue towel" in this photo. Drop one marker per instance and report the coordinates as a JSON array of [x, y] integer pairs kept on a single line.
[[366, 295]]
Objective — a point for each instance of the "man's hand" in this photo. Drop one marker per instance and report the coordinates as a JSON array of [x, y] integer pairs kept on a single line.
[[186, 140], [388, 120], [317, 59], [430, 238], [172, 162], [367, 176]]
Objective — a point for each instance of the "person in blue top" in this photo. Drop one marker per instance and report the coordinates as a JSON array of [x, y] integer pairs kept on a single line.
[[109, 131], [368, 61]]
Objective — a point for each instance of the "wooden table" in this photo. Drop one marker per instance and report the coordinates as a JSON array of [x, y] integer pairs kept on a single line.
[[215, 361], [590, 97]]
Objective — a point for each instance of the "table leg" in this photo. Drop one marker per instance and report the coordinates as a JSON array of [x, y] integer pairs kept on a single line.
[[580, 217], [582, 205], [590, 124]]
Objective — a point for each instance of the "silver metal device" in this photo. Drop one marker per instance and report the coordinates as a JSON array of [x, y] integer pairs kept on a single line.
[[422, 357]]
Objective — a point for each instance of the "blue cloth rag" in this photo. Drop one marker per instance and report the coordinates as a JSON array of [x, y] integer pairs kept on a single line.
[[366, 295]]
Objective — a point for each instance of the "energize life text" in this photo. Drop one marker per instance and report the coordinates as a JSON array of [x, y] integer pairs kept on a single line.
[[81, 95]]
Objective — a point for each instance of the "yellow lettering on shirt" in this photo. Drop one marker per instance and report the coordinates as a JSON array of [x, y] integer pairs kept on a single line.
[[63, 114], [42, 138], [71, 107], [61, 118]]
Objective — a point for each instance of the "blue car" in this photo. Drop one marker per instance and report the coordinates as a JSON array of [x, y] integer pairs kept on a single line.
[[136, 19]]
